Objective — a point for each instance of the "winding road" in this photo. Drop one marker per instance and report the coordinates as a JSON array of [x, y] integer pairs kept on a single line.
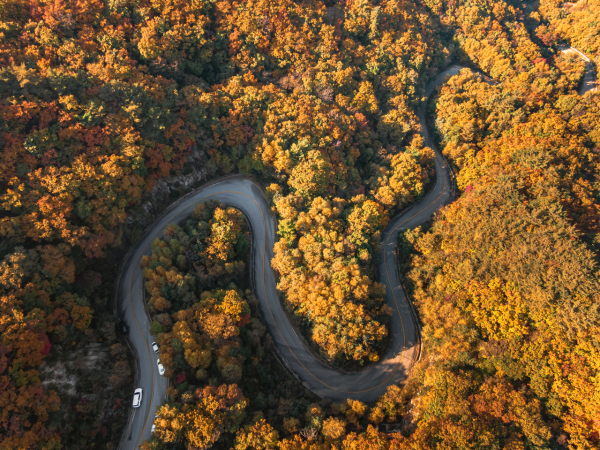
[[589, 77], [323, 381]]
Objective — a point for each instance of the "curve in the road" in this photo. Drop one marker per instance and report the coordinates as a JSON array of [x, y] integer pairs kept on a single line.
[[241, 193], [589, 78]]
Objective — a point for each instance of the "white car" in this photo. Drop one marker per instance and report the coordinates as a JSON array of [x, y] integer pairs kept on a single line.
[[155, 347], [137, 398], [153, 429], [161, 368]]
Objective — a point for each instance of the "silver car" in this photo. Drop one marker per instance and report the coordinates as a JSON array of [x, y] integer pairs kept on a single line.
[[137, 398]]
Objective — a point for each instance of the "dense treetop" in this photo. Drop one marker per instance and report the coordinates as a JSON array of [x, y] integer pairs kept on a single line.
[[317, 101]]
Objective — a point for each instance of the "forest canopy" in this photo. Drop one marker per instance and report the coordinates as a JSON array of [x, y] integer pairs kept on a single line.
[[318, 102]]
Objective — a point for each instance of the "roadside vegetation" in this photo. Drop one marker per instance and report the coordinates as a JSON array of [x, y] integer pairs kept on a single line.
[[318, 100]]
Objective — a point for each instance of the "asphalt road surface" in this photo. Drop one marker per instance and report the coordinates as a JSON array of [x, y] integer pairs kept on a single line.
[[589, 78], [323, 381]]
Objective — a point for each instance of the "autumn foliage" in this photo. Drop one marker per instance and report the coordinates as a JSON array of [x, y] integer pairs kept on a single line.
[[318, 101], [506, 280]]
